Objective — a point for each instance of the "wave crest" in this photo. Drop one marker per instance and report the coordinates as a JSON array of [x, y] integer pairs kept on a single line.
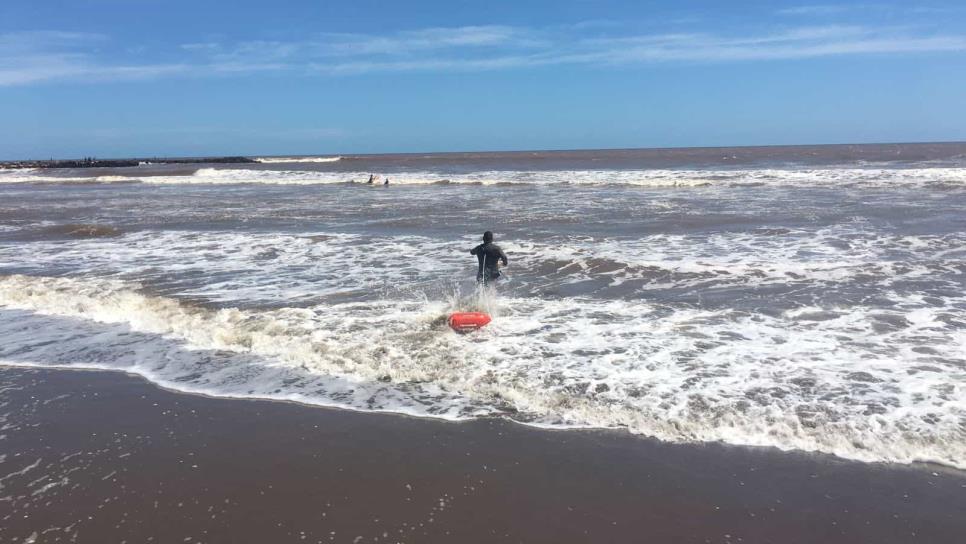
[[675, 374], [829, 177], [283, 160]]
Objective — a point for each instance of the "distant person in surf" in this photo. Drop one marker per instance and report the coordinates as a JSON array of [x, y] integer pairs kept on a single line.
[[490, 256], [372, 178], [386, 182]]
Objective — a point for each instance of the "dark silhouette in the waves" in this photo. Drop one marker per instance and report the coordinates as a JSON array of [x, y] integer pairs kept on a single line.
[[489, 256]]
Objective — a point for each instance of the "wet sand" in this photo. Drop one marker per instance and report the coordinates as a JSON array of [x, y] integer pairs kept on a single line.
[[106, 457]]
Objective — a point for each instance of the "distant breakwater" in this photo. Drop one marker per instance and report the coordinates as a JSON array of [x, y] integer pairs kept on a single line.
[[119, 163]]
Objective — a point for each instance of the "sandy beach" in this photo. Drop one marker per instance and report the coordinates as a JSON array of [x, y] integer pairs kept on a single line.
[[107, 457]]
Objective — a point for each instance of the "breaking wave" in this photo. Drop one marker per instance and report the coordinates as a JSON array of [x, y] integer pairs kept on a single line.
[[82, 230], [822, 379], [282, 160], [642, 178], [832, 177]]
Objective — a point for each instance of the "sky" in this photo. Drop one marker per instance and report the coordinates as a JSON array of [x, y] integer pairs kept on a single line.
[[120, 78]]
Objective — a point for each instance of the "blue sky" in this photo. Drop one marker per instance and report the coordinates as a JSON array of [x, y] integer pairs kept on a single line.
[[172, 77]]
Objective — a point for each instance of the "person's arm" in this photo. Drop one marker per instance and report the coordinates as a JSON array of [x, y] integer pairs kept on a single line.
[[475, 250], [503, 257]]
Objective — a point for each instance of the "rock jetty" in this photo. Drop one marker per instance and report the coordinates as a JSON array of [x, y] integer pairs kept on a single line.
[[91, 162]]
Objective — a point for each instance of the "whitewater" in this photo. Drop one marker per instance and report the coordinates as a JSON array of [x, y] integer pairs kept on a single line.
[[812, 305]]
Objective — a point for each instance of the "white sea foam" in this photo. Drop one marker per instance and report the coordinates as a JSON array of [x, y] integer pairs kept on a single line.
[[274, 160], [111, 179], [252, 268], [833, 177], [34, 175], [249, 268], [675, 374], [876, 177]]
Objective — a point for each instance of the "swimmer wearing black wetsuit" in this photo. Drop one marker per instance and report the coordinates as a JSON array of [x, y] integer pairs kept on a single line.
[[489, 255]]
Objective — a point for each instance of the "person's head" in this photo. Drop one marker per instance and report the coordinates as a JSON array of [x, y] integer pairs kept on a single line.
[[487, 237]]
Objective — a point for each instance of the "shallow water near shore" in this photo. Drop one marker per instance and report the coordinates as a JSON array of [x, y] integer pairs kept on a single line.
[[257, 471], [801, 298]]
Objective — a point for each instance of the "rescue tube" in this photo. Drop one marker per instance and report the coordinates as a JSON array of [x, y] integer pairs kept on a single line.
[[468, 321]]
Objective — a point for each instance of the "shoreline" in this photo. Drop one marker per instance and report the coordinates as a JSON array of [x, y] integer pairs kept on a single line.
[[104, 455], [617, 433]]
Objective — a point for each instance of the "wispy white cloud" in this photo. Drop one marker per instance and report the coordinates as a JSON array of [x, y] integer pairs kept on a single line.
[[333, 45], [31, 57], [793, 43], [429, 39], [796, 43], [861, 8], [39, 68], [40, 40], [819, 9]]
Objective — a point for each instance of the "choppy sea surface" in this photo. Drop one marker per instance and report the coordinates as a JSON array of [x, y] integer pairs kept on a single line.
[[809, 298]]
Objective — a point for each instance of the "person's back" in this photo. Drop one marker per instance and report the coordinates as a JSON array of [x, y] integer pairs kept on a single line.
[[489, 256]]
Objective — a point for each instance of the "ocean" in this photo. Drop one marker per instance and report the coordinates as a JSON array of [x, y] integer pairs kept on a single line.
[[805, 298]]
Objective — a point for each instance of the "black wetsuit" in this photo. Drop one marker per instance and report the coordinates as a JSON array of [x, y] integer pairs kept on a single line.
[[489, 254]]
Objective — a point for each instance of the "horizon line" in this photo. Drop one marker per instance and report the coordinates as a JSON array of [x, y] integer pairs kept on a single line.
[[488, 151]]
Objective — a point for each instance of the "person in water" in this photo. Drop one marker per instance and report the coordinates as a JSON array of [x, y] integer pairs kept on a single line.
[[386, 182], [490, 256], [371, 179]]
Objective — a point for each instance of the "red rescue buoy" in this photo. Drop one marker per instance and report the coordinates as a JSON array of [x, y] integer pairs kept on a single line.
[[468, 321]]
